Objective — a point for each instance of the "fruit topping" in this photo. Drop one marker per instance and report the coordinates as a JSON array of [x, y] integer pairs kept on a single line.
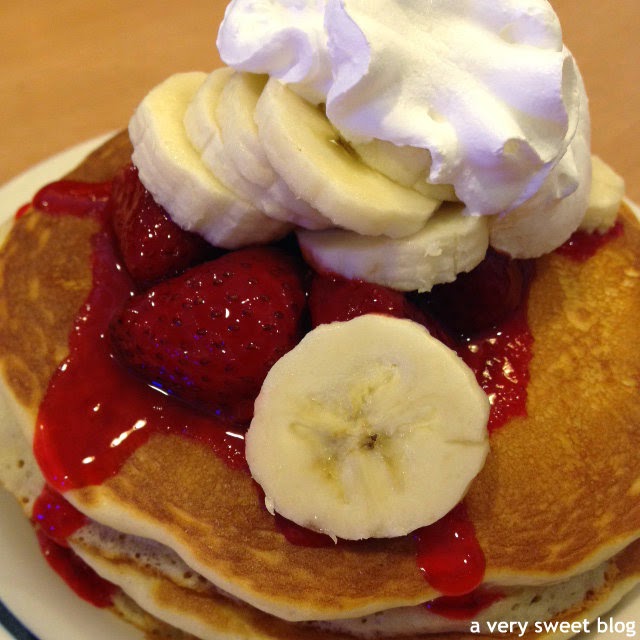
[[210, 335], [482, 298], [367, 428], [449, 554], [153, 247], [334, 298], [73, 198], [584, 244]]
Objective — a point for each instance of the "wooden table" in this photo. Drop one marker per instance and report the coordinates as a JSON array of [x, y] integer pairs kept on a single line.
[[72, 69]]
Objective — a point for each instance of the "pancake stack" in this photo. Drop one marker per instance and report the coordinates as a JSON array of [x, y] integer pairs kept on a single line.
[[127, 400], [187, 539]]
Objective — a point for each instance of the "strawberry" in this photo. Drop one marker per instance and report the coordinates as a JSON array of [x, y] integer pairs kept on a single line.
[[335, 298], [210, 335], [482, 298], [153, 247]]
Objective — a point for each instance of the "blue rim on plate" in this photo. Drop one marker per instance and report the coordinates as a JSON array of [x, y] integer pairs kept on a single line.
[[13, 625]]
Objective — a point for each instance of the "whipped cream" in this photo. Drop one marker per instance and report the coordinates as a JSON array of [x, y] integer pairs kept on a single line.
[[488, 88]]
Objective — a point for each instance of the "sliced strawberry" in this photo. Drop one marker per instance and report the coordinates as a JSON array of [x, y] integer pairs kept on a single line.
[[153, 247], [335, 298], [210, 335]]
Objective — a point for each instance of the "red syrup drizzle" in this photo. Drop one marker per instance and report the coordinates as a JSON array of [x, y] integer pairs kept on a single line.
[[95, 414], [55, 520], [55, 517], [449, 555], [301, 536], [22, 210], [500, 360], [582, 245], [69, 197]]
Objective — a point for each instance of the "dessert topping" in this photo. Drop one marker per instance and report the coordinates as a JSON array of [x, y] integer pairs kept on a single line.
[[367, 428], [86, 431], [448, 244], [153, 247], [488, 89], [171, 168], [72, 197], [449, 554], [55, 520], [211, 335]]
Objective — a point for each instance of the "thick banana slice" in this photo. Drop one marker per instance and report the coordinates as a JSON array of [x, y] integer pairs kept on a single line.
[[407, 165], [448, 244], [308, 153], [242, 147], [171, 169], [367, 428], [607, 191]]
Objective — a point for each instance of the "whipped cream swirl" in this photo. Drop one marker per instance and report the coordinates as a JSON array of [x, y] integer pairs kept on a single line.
[[487, 87]]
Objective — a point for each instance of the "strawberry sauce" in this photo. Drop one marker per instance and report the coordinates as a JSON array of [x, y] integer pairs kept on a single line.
[[95, 414], [449, 554], [500, 359], [582, 245], [69, 197], [55, 517], [55, 520], [79, 576]]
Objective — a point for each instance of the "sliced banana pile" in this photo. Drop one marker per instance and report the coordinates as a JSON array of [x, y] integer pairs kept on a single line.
[[242, 159], [367, 428], [172, 170]]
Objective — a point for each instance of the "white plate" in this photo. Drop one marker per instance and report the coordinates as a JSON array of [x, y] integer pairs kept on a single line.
[[33, 599]]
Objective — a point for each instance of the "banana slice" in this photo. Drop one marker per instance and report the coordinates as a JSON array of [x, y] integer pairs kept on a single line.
[[368, 428], [203, 130], [242, 147], [607, 191], [542, 223], [448, 244], [308, 153], [171, 169], [200, 120], [407, 165]]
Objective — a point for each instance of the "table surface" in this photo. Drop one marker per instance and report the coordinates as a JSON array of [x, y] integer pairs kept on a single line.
[[73, 69]]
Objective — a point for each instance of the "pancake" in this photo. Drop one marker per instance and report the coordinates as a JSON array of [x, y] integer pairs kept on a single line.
[[557, 497], [172, 594], [212, 616]]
